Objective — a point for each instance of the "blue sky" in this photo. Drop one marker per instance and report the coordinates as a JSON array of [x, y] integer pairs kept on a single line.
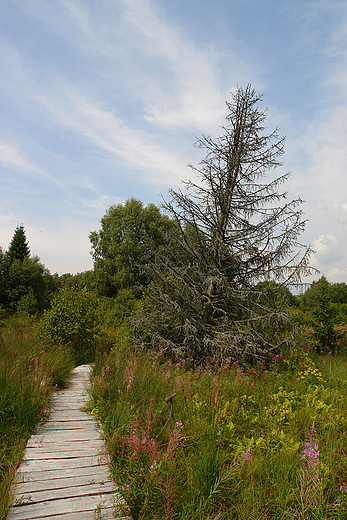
[[99, 102]]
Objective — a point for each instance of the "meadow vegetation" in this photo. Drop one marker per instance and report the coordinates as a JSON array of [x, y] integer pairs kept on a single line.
[[221, 441]]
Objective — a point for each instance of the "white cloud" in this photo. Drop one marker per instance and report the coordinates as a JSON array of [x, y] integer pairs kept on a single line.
[[327, 250], [336, 274], [181, 91], [178, 83]]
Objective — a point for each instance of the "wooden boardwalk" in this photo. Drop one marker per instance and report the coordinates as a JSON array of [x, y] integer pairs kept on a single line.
[[64, 475]]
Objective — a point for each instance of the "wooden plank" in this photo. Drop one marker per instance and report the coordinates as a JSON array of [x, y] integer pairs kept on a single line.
[[65, 415], [78, 435], [61, 453], [30, 497], [63, 473], [60, 446], [57, 483], [44, 465], [68, 425], [105, 514], [62, 506]]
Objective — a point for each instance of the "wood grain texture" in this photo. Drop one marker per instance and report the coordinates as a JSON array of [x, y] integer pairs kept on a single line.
[[64, 474]]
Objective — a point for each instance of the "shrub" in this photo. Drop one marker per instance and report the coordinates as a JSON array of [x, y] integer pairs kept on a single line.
[[74, 320]]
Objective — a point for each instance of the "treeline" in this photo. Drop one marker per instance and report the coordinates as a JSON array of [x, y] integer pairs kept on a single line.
[[120, 283], [26, 285]]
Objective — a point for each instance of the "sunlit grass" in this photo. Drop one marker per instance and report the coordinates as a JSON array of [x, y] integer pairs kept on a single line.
[[233, 443]]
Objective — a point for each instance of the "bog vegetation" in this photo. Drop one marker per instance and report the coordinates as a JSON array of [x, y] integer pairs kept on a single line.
[[221, 390]]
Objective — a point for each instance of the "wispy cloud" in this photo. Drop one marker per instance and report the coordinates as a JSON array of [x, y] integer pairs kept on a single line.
[[11, 157], [110, 133], [196, 99], [184, 96]]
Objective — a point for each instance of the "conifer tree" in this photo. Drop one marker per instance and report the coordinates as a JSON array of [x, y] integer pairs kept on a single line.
[[19, 248], [236, 230]]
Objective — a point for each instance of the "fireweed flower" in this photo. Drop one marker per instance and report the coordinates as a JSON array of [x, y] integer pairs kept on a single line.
[[243, 457], [343, 488], [179, 425], [311, 452]]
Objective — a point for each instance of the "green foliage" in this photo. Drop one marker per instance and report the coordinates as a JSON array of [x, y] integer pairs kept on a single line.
[[85, 279], [275, 295], [25, 284], [19, 248], [26, 279], [324, 315], [233, 445], [336, 293], [74, 320], [130, 235], [2, 278], [323, 309], [117, 309]]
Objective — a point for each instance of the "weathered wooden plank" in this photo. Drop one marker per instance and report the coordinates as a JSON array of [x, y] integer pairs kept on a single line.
[[70, 415], [30, 497], [67, 425], [78, 435], [44, 465], [62, 506], [60, 446], [58, 483], [105, 514], [63, 473], [62, 452]]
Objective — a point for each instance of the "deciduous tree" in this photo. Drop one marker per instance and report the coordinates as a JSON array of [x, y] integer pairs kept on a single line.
[[130, 234]]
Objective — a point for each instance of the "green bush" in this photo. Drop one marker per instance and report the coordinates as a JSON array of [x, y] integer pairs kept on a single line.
[[74, 320]]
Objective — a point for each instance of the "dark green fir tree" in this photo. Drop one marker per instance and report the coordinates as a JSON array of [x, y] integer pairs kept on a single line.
[[19, 247]]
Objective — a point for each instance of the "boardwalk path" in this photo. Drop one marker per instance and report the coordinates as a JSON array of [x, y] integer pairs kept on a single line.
[[63, 476]]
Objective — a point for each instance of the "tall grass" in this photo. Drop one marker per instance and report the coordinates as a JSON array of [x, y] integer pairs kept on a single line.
[[29, 372], [223, 442]]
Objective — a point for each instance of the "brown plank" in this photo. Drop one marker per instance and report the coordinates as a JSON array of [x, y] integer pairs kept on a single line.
[[60, 446], [74, 462], [80, 435]]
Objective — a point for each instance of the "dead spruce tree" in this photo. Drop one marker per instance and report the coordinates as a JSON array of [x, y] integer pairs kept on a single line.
[[234, 230]]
